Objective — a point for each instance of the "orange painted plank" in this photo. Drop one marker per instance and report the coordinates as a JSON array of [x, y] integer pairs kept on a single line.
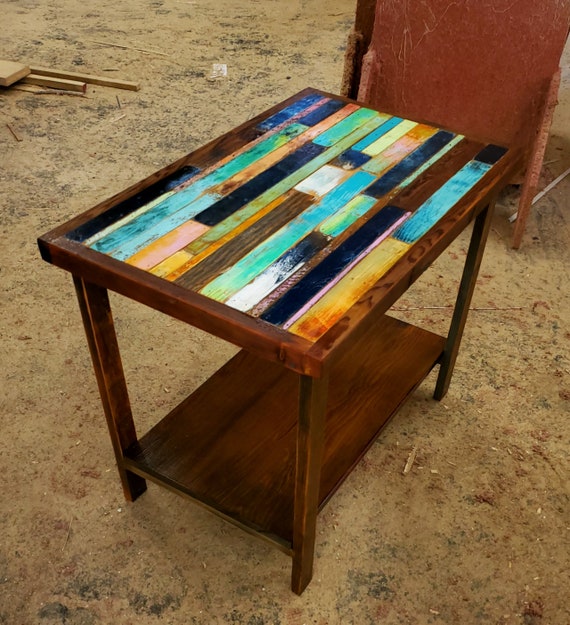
[[167, 245]]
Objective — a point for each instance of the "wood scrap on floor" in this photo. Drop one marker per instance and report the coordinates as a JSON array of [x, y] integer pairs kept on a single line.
[[14, 133], [88, 78], [11, 72], [55, 83]]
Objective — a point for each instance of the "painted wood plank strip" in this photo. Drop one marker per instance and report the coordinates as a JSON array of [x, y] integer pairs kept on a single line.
[[246, 138], [344, 271], [321, 113], [146, 217], [167, 245], [423, 184], [351, 159], [267, 252], [397, 174], [164, 268], [253, 188], [278, 272], [491, 154], [200, 257], [338, 300], [431, 211], [390, 137], [322, 181], [276, 155], [126, 207], [293, 110], [349, 214], [400, 149], [132, 238], [333, 267], [234, 249], [390, 123], [347, 126], [249, 214], [425, 166]]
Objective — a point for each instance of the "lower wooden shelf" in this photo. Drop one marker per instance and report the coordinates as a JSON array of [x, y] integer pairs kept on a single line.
[[231, 444]]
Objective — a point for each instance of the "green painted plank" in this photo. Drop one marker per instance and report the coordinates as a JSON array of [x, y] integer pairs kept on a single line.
[[229, 224], [267, 252]]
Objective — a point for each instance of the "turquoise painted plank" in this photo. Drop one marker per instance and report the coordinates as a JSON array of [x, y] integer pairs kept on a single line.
[[373, 136], [229, 224], [351, 212], [346, 126], [144, 219], [431, 211], [252, 264], [129, 241]]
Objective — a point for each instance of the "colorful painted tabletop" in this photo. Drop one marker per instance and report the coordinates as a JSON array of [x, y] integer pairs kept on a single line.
[[297, 224]]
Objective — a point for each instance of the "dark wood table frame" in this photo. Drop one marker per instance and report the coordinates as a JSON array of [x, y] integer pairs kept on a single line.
[[287, 461]]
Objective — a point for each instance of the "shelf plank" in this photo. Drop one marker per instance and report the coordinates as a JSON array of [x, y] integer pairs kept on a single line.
[[231, 444]]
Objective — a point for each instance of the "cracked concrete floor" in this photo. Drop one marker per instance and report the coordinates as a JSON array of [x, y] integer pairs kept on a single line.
[[477, 532]]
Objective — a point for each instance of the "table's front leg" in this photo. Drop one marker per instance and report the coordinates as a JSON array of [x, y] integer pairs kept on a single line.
[[467, 286], [310, 442], [102, 340]]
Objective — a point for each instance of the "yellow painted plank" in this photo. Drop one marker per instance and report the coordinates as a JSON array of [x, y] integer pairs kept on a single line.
[[167, 266], [390, 137], [335, 303]]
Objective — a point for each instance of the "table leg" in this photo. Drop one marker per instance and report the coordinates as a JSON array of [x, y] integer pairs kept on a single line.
[[102, 340], [467, 286], [310, 442]]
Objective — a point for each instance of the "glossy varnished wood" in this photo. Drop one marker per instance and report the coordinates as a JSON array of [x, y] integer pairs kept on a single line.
[[235, 450], [102, 341], [213, 281], [291, 237]]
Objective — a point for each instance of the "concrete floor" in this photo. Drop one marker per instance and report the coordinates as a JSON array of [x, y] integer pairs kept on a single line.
[[477, 532]]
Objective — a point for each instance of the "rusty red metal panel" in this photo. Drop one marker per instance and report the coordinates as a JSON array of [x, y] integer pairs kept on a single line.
[[478, 66]]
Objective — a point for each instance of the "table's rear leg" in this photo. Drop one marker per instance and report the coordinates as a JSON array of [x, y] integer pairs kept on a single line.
[[102, 340], [467, 286], [310, 441]]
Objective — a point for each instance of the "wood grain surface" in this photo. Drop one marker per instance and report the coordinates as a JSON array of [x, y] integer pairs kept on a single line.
[[290, 220]]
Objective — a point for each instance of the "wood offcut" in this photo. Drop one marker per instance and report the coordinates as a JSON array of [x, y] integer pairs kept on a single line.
[[12, 72]]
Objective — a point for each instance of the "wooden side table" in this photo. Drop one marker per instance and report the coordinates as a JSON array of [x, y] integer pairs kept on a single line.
[[291, 237]]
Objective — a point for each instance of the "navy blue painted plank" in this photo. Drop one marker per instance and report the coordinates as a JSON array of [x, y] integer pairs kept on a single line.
[[256, 186], [130, 205], [324, 111], [395, 176], [351, 159], [289, 112], [299, 294], [490, 154]]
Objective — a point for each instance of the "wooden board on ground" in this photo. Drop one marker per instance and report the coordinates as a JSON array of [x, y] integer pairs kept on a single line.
[[88, 78], [55, 83], [11, 72]]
